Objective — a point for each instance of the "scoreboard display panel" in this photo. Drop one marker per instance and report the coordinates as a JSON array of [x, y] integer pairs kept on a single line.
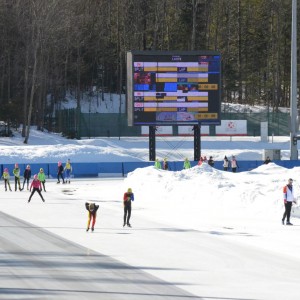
[[173, 88]]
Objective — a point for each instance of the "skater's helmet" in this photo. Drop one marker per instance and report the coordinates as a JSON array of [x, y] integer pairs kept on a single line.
[[5, 170], [28, 167], [35, 176], [41, 170], [129, 190]]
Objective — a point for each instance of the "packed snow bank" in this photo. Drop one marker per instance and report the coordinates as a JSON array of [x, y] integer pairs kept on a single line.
[[203, 193]]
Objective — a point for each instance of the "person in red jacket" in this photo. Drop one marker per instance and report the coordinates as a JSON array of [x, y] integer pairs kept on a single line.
[[92, 214], [288, 198], [35, 187], [127, 198]]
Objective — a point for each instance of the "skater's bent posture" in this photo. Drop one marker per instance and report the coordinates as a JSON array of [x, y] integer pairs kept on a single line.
[[92, 214], [128, 197], [35, 186]]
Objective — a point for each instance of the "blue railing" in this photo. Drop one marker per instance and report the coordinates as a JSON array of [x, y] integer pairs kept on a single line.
[[108, 169]]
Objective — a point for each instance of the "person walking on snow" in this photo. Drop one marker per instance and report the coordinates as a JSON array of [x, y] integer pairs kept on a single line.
[[157, 164], [234, 164], [27, 176], [16, 172], [186, 164], [225, 163], [165, 164], [127, 198], [60, 172], [36, 186], [211, 161], [6, 178], [68, 170], [200, 162], [288, 198], [92, 214], [42, 178]]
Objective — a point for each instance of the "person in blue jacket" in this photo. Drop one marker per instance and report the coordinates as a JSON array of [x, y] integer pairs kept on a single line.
[[60, 172], [27, 176]]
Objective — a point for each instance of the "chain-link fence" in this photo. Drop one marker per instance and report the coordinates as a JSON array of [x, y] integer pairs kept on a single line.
[[278, 122], [75, 125]]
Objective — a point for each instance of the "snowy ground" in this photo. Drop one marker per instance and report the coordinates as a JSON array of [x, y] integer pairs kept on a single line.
[[50, 148], [215, 234]]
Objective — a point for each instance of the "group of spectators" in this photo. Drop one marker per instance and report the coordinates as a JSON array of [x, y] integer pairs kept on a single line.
[[203, 159], [227, 164], [233, 164]]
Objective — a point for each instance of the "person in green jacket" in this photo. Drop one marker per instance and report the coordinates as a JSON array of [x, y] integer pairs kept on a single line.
[[186, 164], [6, 177], [16, 172], [157, 164], [42, 178]]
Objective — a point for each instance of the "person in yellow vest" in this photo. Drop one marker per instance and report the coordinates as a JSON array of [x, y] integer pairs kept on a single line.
[[68, 170], [16, 172], [6, 178]]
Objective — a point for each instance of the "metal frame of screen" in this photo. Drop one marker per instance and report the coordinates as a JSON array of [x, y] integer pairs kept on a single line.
[[173, 88]]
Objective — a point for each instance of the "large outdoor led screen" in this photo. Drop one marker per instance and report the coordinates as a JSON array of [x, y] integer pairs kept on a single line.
[[173, 88]]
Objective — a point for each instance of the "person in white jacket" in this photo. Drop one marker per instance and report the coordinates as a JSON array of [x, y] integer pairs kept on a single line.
[[288, 198], [234, 164]]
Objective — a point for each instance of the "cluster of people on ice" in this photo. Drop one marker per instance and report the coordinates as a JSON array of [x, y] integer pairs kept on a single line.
[[38, 184], [61, 170], [17, 177], [39, 180]]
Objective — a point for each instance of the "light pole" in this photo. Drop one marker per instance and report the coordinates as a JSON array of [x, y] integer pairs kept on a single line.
[[293, 99]]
